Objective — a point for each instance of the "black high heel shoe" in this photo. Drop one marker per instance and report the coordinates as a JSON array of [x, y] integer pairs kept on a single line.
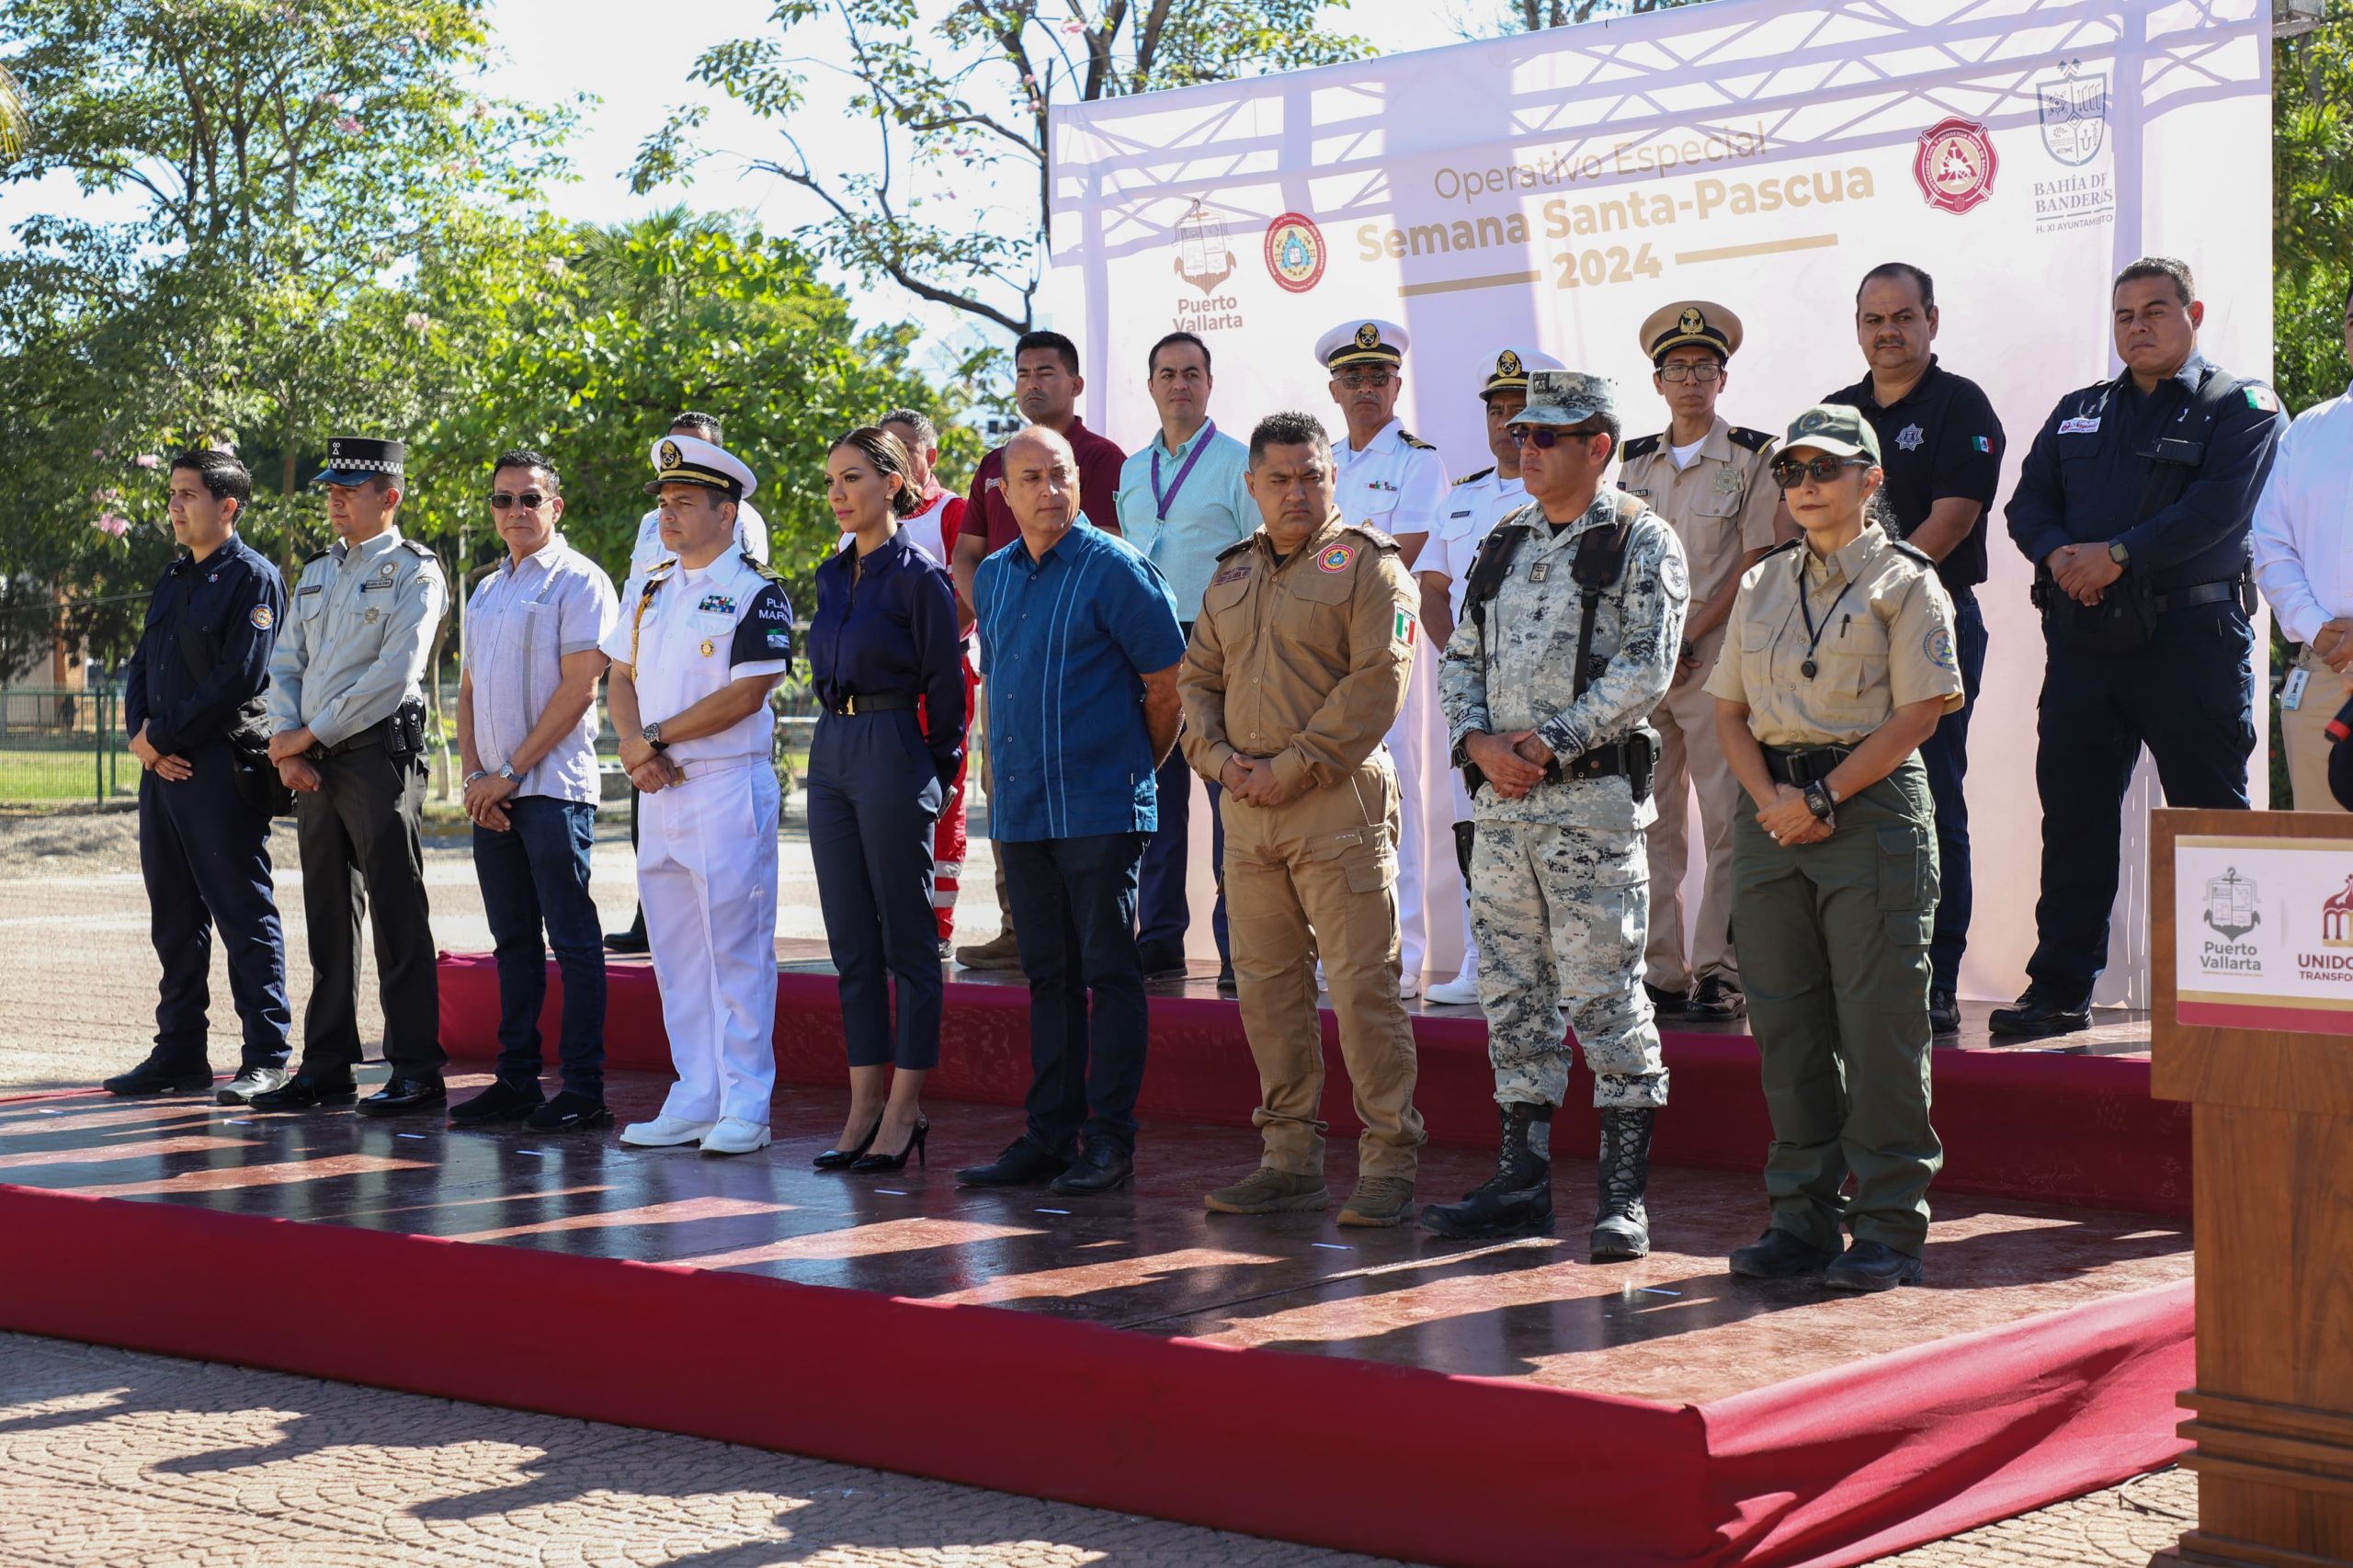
[[898, 1162], [846, 1159]]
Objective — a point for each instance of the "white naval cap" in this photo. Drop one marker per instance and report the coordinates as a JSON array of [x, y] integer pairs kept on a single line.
[[1362, 341], [689, 460], [1507, 369]]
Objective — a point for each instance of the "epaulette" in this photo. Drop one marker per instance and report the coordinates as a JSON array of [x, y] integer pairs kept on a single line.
[[1787, 544], [762, 567], [1237, 547], [1754, 440], [1415, 441], [319, 554], [421, 552], [660, 570], [1379, 540], [1475, 478], [1916, 552], [1640, 445]]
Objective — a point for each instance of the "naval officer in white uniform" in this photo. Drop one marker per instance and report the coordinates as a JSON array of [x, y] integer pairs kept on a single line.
[[703, 641], [1394, 483]]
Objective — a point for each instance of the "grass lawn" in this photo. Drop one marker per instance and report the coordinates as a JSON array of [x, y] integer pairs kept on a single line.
[[42, 776]]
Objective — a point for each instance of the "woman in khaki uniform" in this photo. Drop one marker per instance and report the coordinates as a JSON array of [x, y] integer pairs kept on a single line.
[[1838, 664]]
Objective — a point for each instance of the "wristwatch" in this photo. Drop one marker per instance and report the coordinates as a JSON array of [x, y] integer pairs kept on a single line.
[[653, 734], [507, 771], [2118, 553], [1821, 799], [1690, 651]]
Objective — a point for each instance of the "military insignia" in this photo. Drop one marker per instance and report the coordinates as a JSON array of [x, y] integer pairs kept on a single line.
[[2261, 399], [213, 576], [1404, 629], [384, 573], [1937, 646], [1910, 438], [716, 604], [1507, 363], [1367, 336], [261, 618], [671, 456], [1812, 419], [2230, 906], [374, 616], [1982, 444], [706, 648], [1690, 320], [1336, 559], [1674, 575], [1728, 481], [1540, 571]]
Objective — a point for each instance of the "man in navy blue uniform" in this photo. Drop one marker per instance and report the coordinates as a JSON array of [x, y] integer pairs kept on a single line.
[[2134, 505], [195, 712]]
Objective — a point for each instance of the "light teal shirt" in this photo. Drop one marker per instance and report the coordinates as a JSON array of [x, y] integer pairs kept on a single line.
[[1209, 511]]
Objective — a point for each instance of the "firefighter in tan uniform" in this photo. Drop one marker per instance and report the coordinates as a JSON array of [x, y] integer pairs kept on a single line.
[[1712, 482], [1298, 667]]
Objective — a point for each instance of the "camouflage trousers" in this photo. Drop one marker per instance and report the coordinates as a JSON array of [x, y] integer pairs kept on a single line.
[[1563, 913]]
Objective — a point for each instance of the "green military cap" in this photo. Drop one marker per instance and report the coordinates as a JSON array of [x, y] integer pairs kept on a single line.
[[1836, 428]]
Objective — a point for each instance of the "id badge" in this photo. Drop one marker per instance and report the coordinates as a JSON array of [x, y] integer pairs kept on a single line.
[[2292, 695]]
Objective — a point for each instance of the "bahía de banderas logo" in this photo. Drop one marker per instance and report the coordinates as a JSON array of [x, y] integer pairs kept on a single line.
[[2074, 110], [2337, 917], [1955, 164], [1295, 252], [2230, 906], [1202, 258]]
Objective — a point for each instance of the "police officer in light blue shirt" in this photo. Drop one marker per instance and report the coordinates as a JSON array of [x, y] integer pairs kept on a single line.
[[1182, 500]]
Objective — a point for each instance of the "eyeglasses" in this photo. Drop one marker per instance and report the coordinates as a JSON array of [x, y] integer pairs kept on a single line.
[[1356, 380], [1789, 473], [1545, 435], [531, 500], [1704, 373]]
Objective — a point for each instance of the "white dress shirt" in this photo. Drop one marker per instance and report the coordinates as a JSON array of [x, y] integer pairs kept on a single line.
[[2303, 533]]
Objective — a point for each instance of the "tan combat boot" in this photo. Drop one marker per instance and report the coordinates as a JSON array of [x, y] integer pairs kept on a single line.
[[1379, 1200], [1269, 1191]]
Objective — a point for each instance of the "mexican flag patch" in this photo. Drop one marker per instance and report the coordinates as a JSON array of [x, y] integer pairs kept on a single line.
[[1404, 630]]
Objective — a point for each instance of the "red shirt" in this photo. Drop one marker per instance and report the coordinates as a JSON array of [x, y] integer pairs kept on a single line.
[[1100, 461]]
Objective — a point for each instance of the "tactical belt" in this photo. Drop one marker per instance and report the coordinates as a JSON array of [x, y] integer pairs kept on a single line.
[[2200, 594], [1801, 765], [876, 702], [1600, 762]]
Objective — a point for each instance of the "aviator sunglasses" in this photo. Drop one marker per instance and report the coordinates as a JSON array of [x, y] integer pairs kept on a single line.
[[1545, 435], [1789, 473], [531, 500]]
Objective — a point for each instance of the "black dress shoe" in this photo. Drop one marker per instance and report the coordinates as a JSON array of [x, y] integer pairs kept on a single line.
[[153, 1077], [1226, 984], [401, 1096], [1715, 1000], [500, 1102], [1161, 961], [630, 941], [1101, 1166], [1666, 1004], [1871, 1266], [1777, 1255], [306, 1089], [1944, 1013], [1023, 1163], [2037, 1015], [569, 1112]]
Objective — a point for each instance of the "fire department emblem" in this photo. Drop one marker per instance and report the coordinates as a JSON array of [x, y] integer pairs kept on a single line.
[[1955, 164]]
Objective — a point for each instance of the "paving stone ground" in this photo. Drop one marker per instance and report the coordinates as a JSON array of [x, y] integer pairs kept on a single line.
[[110, 1458]]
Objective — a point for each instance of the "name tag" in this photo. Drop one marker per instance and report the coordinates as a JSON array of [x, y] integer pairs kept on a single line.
[[2079, 426], [2291, 696], [372, 587], [308, 588]]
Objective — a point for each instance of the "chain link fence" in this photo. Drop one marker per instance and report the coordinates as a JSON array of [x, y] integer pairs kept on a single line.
[[63, 747]]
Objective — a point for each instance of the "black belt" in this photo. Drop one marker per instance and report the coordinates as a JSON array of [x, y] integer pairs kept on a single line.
[[1600, 762], [1801, 765], [373, 735], [2202, 593], [875, 702]]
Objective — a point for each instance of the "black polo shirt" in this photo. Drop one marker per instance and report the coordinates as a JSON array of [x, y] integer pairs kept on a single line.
[[1939, 439]]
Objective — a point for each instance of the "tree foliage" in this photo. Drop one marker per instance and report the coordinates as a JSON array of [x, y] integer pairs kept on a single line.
[[2311, 164], [964, 103]]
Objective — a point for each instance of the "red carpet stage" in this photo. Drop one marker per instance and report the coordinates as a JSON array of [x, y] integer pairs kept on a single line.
[[1385, 1392]]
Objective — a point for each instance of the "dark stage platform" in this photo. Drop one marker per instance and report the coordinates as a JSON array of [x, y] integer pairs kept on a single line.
[[1523, 1404]]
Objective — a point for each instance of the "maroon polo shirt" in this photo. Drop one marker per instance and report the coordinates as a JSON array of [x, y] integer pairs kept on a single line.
[[1100, 461]]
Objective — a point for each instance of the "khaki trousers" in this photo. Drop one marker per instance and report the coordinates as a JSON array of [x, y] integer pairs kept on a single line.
[[1318, 875], [2302, 733], [977, 740], [1685, 722]]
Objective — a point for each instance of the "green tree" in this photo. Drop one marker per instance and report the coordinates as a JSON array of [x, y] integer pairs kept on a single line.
[[965, 100], [2311, 241]]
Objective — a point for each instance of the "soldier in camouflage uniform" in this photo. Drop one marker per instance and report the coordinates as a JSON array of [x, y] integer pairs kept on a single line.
[[1560, 892]]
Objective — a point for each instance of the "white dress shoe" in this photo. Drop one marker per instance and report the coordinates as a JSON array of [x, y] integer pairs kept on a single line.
[[734, 1135], [1462, 991], [665, 1132], [1409, 987]]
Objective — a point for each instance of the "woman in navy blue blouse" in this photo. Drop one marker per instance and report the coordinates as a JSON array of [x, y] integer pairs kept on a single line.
[[888, 668]]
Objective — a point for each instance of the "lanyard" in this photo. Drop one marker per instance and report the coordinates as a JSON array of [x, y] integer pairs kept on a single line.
[[1161, 500], [1814, 633]]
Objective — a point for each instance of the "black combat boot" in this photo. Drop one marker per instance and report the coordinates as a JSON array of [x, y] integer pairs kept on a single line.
[[1517, 1200], [1621, 1230]]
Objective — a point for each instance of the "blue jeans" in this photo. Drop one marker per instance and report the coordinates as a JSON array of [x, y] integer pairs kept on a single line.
[[1944, 754], [1074, 917], [535, 873]]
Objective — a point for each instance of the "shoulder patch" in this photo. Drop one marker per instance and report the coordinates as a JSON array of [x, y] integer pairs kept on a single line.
[[2259, 397], [1415, 441], [1916, 552], [1641, 446], [1475, 478], [1237, 547], [1381, 542], [1754, 440]]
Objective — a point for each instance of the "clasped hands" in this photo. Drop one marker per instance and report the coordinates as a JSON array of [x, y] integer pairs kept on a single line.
[[651, 771], [2083, 571], [1252, 780], [295, 769], [2333, 646], [1789, 820], [162, 763], [1514, 761], [487, 800]]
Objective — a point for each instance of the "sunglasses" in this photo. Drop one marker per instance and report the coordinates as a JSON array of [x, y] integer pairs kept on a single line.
[[1702, 373], [1545, 435], [531, 500], [1356, 381], [1789, 473]]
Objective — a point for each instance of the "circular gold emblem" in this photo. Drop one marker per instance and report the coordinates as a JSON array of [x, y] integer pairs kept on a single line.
[[1367, 336], [1691, 319], [670, 455], [1507, 363], [706, 647]]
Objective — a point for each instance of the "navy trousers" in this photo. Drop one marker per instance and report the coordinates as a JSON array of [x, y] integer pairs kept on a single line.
[[204, 855], [1074, 919], [2189, 697], [535, 875], [874, 795], [1944, 754], [1162, 914]]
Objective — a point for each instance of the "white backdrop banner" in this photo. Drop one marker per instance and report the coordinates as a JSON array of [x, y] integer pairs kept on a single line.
[[1554, 188]]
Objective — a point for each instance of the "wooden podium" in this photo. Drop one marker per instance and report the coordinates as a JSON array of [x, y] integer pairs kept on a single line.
[[2259, 1037]]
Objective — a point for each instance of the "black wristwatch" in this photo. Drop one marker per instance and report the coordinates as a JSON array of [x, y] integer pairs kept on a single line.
[[2118, 553], [1820, 800], [1690, 653], [653, 734]]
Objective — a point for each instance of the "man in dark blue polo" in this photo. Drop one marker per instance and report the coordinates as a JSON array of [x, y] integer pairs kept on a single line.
[[1941, 446], [2134, 505], [195, 712], [1079, 649]]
